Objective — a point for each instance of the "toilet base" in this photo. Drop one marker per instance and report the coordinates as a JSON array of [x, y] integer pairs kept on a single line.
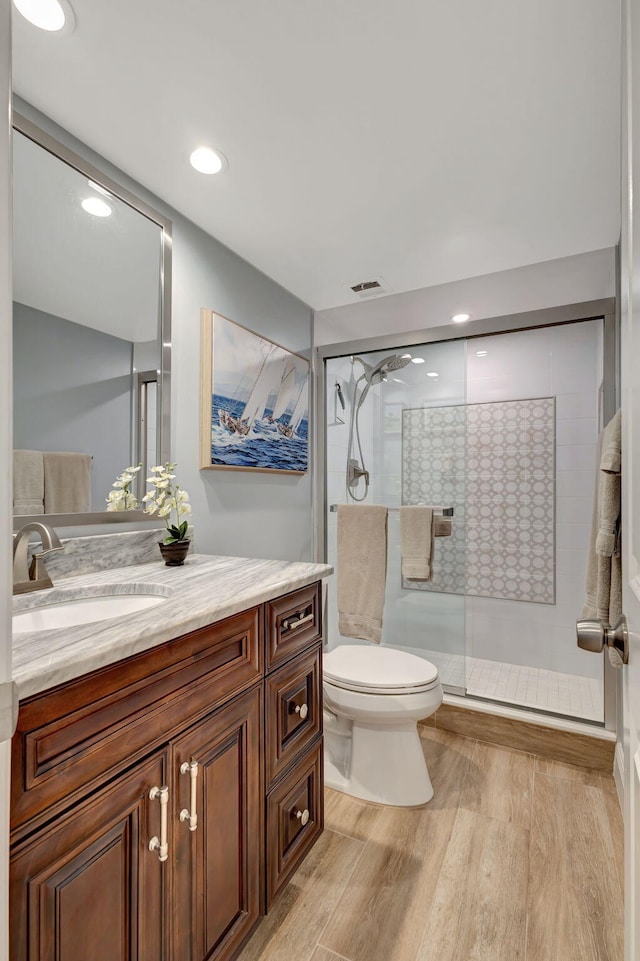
[[381, 764]]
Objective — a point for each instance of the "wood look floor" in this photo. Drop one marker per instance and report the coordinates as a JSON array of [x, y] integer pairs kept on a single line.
[[516, 858]]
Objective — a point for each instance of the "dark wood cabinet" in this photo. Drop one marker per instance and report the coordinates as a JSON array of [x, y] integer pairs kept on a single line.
[[218, 863], [293, 622], [294, 820], [87, 885], [143, 794], [293, 717], [293, 728]]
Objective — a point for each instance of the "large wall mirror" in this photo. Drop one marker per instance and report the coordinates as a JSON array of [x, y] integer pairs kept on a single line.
[[91, 334]]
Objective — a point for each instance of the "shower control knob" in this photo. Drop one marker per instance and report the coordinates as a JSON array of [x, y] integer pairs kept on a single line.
[[593, 635]]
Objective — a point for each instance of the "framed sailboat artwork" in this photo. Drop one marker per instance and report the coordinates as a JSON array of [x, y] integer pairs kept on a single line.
[[254, 401]]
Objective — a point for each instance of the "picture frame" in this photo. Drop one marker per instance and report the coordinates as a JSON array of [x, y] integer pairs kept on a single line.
[[254, 401]]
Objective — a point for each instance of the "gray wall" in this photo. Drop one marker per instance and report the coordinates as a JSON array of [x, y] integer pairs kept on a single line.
[[234, 513], [570, 280], [72, 391]]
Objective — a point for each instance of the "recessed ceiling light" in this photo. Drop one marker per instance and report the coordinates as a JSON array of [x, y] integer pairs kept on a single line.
[[206, 161], [50, 15], [481, 353], [97, 207], [432, 373], [417, 360], [460, 318]]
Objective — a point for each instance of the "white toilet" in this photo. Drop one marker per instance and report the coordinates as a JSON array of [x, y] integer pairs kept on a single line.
[[373, 699]]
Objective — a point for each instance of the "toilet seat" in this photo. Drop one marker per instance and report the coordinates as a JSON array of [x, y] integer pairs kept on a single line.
[[378, 670]]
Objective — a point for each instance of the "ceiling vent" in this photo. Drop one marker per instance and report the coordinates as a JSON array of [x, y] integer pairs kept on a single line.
[[370, 288]]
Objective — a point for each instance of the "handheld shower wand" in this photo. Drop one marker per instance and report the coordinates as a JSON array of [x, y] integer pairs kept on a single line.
[[372, 375]]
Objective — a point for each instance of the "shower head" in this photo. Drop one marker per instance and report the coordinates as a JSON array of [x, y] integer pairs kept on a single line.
[[393, 362]]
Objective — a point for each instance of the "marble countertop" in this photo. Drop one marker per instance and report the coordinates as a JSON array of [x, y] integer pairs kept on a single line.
[[206, 589]]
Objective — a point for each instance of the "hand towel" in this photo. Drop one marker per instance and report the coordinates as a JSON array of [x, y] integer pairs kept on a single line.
[[604, 573], [416, 542], [67, 483], [362, 570], [28, 482]]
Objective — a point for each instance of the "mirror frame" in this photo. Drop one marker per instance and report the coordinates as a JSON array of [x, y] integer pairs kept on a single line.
[[68, 156]]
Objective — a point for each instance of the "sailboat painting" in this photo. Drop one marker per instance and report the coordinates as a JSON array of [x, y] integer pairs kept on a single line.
[[254, 401]]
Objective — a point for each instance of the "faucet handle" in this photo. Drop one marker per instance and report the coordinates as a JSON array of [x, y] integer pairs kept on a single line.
[[37, 570]]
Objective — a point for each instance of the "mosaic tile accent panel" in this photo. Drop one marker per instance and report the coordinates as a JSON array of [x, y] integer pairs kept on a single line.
[[495, 464]]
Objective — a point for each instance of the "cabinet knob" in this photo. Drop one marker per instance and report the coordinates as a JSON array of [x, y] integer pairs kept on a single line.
[[302, 710], [303, 816]]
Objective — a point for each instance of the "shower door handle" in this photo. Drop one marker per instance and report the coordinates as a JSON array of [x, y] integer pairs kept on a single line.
[[593, 635]]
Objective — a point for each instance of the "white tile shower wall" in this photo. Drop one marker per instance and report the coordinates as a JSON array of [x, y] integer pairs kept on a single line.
[[567, 363]]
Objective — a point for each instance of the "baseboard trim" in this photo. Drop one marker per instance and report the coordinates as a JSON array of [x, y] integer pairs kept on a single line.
[[594, 751]]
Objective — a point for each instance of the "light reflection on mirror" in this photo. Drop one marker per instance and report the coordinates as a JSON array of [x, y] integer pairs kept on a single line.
[[87, 350]]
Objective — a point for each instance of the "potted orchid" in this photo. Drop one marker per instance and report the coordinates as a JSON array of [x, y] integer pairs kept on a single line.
[[168, 500], [122, 498]]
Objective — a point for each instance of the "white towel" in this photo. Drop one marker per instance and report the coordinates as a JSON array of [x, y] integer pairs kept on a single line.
[[28, 482], [362, 570], [416, 542], [67, 483]]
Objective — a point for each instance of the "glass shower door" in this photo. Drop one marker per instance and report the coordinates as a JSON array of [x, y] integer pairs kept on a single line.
[[395, 436]]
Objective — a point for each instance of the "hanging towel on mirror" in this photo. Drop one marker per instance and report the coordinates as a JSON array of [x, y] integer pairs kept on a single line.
[[362, 570], [67, 483], [416, 542], [604, 569]]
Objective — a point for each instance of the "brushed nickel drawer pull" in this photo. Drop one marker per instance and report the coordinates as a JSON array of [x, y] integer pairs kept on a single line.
[[160, 844], [302, 710], [303, 816], [190, 768], [291, 625]]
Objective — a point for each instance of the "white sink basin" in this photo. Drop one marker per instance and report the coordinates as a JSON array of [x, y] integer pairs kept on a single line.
[[82, 610]]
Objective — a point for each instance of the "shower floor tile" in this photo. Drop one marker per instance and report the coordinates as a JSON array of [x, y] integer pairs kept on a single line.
[[552, 691]]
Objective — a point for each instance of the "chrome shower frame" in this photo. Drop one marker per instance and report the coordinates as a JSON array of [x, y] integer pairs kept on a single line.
[[604, 310]]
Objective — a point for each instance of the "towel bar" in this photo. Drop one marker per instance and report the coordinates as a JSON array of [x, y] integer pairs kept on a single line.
[[445, 511]]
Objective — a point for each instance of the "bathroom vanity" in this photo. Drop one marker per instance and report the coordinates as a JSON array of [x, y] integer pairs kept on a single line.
[[162, 797]]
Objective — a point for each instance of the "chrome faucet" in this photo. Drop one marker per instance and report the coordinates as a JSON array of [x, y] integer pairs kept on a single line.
[[33, 577]]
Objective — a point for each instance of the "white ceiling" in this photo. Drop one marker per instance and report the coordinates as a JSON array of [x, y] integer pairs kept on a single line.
[[413, 140]]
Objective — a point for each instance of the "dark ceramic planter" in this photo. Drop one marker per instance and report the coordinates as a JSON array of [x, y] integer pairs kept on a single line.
[[174, 554]]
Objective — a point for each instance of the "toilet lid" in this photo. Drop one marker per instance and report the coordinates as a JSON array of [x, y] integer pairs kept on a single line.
[[382, 670]]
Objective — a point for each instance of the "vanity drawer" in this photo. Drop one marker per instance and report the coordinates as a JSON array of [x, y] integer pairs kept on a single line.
[[295, 819], [293, 622], [79, 734], [293, 710]]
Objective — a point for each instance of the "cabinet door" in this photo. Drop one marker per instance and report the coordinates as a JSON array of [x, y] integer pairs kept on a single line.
[[217, 889], [87, 886]]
